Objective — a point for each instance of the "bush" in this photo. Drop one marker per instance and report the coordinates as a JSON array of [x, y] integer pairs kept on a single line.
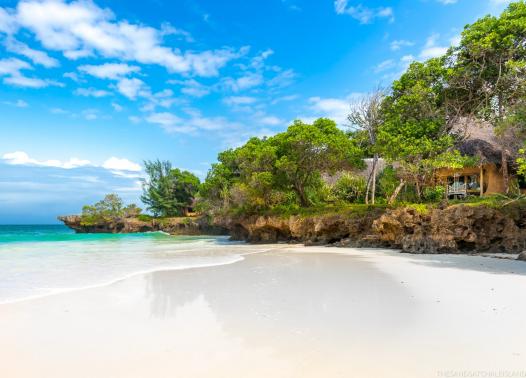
[[387, 182], [349, 188], [434, 193]]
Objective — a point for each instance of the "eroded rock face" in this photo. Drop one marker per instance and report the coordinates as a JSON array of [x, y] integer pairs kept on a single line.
[[454, 229], [314, 230], [174, 226]]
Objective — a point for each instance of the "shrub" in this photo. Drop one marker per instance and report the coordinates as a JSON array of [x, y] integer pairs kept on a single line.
[[434, 193], [349, 188], [387, 182]]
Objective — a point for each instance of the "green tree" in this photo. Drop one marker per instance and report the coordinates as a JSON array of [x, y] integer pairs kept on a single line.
[[415, 133], [488, 75], [279, 170], [168, 191], [110, 209]]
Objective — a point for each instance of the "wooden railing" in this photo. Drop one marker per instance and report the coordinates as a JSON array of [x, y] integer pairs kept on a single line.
[[457, 189]]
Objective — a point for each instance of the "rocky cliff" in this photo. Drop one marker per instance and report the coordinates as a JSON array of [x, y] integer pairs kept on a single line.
[[453, 229], [174, 226]]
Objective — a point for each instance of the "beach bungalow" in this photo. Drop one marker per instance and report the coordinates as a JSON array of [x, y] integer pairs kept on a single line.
[[486, 177]]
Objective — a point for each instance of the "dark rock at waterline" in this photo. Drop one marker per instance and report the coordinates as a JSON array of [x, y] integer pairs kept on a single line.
[[522, 256], [173, 226]]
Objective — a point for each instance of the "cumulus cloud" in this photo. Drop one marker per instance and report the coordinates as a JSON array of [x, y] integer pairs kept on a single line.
[[22, 158], [239, 100], [81, 28], [398, 44], [191, 87], [121, 164], [131, 88], [91, 92], [118, 166], [112, 71], [432, 49], [333, 108], [363, 14], [11, 68], [36, 56], [172, 123]]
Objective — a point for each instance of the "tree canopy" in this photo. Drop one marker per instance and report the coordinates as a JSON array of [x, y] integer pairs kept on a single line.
[[168, 191]]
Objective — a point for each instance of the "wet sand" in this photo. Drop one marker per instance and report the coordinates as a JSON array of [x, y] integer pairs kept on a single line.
[[289, 312]]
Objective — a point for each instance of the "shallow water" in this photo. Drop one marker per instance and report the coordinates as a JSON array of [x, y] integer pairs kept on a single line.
[[40, 260]]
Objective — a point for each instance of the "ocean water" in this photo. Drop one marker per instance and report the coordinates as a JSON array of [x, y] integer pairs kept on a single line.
[[40, 260]]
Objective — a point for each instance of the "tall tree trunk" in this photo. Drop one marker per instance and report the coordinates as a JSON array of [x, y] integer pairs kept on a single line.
[[418, 191], [393, 197], [505, 173], [373, 187], [367, 188]]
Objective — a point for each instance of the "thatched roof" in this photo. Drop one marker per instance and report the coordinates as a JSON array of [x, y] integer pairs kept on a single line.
[[478, 139]]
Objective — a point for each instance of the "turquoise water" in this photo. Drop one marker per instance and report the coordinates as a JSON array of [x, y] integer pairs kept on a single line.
[[41, 260]]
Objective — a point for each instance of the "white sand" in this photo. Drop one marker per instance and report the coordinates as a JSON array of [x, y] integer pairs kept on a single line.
[[292, 312]]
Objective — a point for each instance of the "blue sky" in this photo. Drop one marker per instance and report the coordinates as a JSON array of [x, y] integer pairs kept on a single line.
[[91, 89]]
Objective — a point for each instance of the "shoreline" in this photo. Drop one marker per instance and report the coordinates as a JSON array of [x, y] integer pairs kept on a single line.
[[59, 291], [328, 249], [303, 311]]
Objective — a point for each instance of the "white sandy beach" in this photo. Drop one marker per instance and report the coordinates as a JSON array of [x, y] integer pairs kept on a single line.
[[290, 312]]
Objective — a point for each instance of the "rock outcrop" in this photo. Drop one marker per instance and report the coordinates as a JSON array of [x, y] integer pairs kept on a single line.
[[453, 229], [174, 226], [447, 229]]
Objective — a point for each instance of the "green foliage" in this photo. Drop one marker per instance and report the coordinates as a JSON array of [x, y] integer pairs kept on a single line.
[[280, 171], [168, 191], [434, 193], [521, 162], [349, 188], [109, 209], [414, 133], [387, 182]]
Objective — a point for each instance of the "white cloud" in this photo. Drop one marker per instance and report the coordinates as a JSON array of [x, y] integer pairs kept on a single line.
[[92, 92], [398, 44], [11, 69], [239, 100], [135, 119], [385, 65], [22, 158], [172, 123], [447, 2], [81, 28], [90, 114], [282, 79], [117, 166], [431, 49], [7, 22], [36, 56], [244, 82], [191, 87], [284, 99], [336, 109], [131, 88], [17, 103], [271, 121], [112, 71], [116, 107], [121, 164], [362, 13]]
